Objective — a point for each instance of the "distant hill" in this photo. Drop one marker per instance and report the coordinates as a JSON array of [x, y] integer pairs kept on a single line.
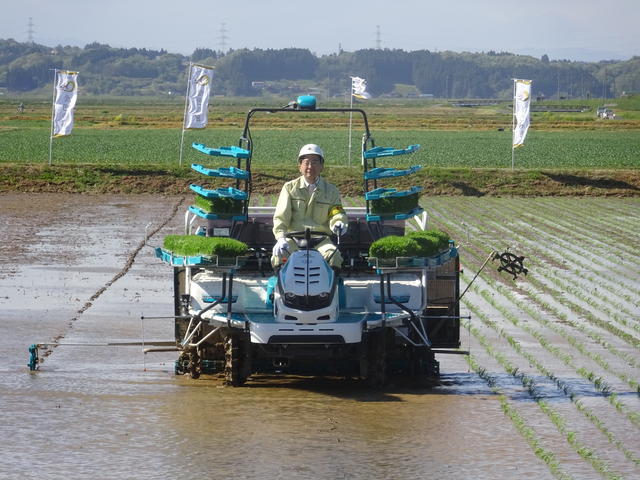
[[105, 70]]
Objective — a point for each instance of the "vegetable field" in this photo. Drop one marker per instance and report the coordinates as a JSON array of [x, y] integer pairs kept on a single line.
[[575, 149], [560, 346]]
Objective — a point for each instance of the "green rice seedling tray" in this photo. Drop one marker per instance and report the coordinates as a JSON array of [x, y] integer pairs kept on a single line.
[[394, 246], [223, 207], [187, 245], [417, 249], [370, 217], [399, 263], [181, 261], [224, 172], [228, 192], [224, 202], [215, 298], [215, 216], [235, 152], [380, 172], [389, 201], [199, 260], [185, 250], [390, 193], [378, 152]]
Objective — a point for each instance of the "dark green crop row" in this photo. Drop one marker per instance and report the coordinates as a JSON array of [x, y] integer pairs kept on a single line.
[[575, 149]]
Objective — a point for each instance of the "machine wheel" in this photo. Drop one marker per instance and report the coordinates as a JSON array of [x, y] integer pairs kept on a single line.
[[188, 362], [376, 359], [195, 365], [237, 366], [425, 369]]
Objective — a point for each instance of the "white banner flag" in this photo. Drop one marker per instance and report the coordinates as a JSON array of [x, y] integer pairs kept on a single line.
[[521, 100], [66, 94], [197, 112], [359, 88]]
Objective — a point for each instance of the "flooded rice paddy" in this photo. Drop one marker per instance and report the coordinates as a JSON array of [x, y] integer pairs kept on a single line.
[[551, 388]]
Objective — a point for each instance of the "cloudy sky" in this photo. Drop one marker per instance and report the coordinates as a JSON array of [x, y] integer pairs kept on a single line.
[[573, 29]]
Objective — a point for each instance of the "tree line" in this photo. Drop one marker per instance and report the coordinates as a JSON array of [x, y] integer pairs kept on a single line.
[[106, 70]]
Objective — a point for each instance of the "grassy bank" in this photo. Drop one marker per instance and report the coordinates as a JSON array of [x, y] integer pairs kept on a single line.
[[162, 179]]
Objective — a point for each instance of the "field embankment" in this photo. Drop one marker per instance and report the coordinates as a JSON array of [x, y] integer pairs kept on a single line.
[[161, 179]]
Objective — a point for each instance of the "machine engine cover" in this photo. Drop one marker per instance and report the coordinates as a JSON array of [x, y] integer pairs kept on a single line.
[[306, 282]]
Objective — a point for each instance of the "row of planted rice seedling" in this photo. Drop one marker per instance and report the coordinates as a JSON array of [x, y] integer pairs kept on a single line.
[[519, 422], [531, 382], [598, 382], [449, 219], [564, 310], [602, 236], [520, 316], [584, 299], [559, 249], [532, 386]]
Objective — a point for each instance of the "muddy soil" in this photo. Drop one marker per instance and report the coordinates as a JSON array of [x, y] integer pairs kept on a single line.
[[74, 269]]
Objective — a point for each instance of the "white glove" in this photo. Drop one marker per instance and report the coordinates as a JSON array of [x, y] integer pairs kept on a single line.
[[339, 228], [280, 247]]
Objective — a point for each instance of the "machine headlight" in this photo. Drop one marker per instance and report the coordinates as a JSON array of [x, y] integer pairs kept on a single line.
[[290, 296], [324, 295]]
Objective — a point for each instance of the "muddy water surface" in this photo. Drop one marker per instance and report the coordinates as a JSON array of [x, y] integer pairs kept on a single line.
[[73, 269]]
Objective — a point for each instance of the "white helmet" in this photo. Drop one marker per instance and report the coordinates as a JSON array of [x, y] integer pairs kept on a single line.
[[311, 149]]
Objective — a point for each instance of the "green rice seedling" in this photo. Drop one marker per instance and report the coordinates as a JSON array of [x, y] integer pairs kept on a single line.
[[430, 241], [394, 247], [518, 421], [389, 204], [528, 382], [566, 388], [220, 205], [534, 283], [191, 245]]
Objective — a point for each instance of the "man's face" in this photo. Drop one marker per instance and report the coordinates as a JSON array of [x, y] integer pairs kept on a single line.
[[310, 167]]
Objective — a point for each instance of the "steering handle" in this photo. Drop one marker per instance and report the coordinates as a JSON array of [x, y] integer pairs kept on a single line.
[[303, 234]]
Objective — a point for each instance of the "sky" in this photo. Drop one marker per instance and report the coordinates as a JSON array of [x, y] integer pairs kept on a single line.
[[585, 30]]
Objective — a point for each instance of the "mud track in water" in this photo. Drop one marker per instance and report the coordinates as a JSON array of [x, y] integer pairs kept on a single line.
[[127, 266]]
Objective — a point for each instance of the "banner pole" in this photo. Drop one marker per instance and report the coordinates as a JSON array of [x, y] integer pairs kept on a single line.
[[513, 126], [186, 104], [350, 119], [53, 113]]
